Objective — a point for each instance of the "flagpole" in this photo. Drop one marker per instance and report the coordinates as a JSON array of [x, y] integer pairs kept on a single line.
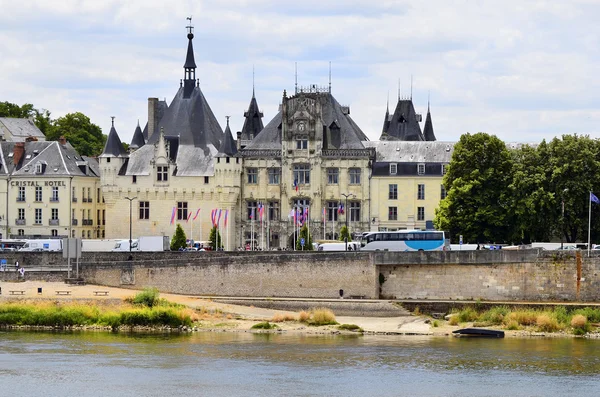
[[324, 224], [589, 222]]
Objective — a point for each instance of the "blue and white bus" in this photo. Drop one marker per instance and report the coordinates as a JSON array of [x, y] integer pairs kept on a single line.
[[405, 240]]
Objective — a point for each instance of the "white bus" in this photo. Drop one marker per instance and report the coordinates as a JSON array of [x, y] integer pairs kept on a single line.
[[405, 240]]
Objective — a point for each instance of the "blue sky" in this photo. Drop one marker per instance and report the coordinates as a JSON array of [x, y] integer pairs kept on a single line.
[[524, 71]]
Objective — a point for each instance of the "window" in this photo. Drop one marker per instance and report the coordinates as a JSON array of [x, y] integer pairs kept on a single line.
[[73, 195], [144, 210], [72, 215], [420, 213], [54, 215], [38, 193], [38, 216], [227, 160], [21, 232], [421, 192], [98, 195], [393, 169], [354, 211], [421, 169], [38, 168], [206, 179], [21, 215], [83, 234], [332, 176], [134, 179], [393, 194], [251, 210], [252, 175], [301, 142], [54, 233], [73, 231], [103, 233], [274, 176], [302, 174], [89, 195], [444, 169], [108, 161], [103, 217], [98, 219], [443, 193], [332, 211], [54, 194], [182, 210], [273, 210], [162, 173], [21, 196], [392, 213], [354, 176], [89, 218], [83, 198], [89, 233]]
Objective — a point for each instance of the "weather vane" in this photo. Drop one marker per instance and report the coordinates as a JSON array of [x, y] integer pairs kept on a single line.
[[190, 27]]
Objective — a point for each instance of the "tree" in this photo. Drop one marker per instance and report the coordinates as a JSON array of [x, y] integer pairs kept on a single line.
[[86, 137], [216, 241], [308, 246], [8, 109], [345, 234], [179, 240], [478, 205]]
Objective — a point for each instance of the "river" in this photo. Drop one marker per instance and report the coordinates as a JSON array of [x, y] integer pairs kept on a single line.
[[244, 364]]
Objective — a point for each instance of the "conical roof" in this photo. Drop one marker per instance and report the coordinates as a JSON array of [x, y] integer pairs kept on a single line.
[[228, 147], [403, 125], [253, 120], [113, 146], [428, 128], [138, 138], [189, 59]]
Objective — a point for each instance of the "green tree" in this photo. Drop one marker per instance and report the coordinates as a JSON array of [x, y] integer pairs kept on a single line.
[[86, 137], [216, 241], [479, 202], [179, 239], [8, 109], [345, 234], [308, 246]]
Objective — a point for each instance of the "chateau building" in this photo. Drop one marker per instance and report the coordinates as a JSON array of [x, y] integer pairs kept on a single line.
[[49, 190], [311, 164]]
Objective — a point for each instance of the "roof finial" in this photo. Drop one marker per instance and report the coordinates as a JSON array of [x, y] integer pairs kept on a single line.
[[296, 74], [330, 77], [112, 120], [138, 122], [252, 82], [387, 106], [190, 28], [227, 117]]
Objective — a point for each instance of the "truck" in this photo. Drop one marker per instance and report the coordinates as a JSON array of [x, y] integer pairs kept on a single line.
[[144, 243], [42, 245], [123, 245]]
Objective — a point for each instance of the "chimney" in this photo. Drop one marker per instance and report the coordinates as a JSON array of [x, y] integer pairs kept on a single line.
[[62, 140], [152, 116], [31, 139], [18, 152]]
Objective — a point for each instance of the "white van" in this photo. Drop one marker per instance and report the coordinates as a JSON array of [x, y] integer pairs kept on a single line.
[[123, 245], [42, 245], [341, 246]]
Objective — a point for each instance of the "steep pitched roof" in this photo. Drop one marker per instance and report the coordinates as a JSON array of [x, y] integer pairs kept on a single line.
[[412, 152], [428, 128], [19, 129], [403, 124], [253, 120], [138, 138], [113, 146], [228, 147]]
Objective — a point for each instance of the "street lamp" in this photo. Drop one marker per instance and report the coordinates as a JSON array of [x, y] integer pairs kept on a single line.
[[130, 202], [562, 219], [346, 195]]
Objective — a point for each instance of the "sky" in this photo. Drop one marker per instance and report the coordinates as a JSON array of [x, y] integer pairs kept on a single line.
[[521, 70]]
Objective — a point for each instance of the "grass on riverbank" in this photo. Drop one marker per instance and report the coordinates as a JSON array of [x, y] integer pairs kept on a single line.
[[558, 319], [145, 309], [316, 317]]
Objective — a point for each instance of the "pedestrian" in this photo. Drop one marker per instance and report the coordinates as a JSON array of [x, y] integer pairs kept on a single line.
[[17, 265], [22, 272]]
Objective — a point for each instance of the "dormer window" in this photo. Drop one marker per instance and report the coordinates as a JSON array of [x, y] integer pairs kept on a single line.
[[302, 142], [162, 173], [393, 169], [444, 169], [38, 168], [421, 169]]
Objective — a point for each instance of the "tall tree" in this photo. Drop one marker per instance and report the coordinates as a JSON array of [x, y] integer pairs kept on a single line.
[[8, 109], [216, 241], [308, 246], [179, 239], [478, 203], [86, 137]]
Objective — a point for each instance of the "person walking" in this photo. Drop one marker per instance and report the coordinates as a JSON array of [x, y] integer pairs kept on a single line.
[[17, 265]]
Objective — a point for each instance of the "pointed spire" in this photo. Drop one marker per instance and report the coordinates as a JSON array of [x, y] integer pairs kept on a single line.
[[113, 146], [252, 87], [190, 64], [228, 147], [386, 119], [253, 123], [428, 128], [138, 138]]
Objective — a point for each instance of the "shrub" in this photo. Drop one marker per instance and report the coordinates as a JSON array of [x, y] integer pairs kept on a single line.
[[322, 316], [495, 315], [148, 297], [280, 318], [264, 325], [453, 319], [303, 316], [512, 325], [592, 314], [435, 323], [580, 324], [468, 314], [546, 323], [350, 327], [523, 317], [562, 315]]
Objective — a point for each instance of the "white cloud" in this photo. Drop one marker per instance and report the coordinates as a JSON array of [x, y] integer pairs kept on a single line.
[[522, 70]]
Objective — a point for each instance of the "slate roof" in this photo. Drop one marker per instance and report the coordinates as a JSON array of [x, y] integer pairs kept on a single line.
[[189, 59], [342, 131], [20, 129], [428, 128], [403, 124], [229, 146], [253, 120], [161, 109], [113, 146], [138, 138], [412, 152], [56, 159]]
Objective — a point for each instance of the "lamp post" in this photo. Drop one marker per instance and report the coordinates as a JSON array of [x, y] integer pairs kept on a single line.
[[130, 202], [562, 219], [346, 195]]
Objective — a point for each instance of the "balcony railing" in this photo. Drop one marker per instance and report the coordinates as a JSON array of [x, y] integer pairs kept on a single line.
[[21, 199], [54, 199], [90, 222], [19, 221], [74, 222], [53, 222]]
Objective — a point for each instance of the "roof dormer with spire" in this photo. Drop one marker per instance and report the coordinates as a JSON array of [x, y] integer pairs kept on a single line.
[[113, 146]]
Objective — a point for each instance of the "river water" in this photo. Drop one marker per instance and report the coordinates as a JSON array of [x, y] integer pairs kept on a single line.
[[245, 364]]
